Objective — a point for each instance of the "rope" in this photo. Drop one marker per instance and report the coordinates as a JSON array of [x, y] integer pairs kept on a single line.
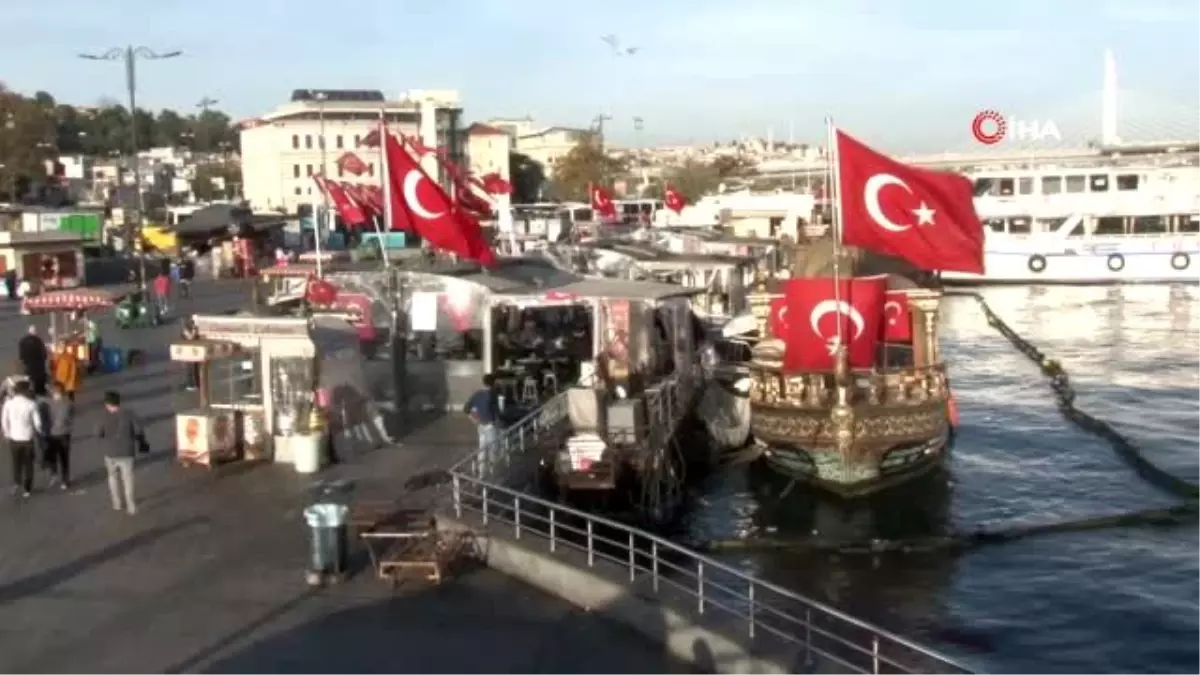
[[1064, 393]]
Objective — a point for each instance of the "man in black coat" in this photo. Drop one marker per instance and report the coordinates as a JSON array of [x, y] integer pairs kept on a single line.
[[33, 355]]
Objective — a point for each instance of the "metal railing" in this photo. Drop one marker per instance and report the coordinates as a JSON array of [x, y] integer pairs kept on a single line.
[[757, 612], [512, 449]]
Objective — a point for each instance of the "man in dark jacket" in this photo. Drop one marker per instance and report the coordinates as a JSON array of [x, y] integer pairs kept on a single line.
[[60, 413], [120, 438], [33, 355]]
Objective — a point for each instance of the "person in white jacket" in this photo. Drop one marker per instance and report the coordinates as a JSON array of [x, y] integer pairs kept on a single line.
[[22, 425]]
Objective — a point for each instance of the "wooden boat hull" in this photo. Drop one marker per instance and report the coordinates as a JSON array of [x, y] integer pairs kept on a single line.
[[889, 444]]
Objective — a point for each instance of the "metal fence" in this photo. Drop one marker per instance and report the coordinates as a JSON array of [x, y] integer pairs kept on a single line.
[[769, 617]]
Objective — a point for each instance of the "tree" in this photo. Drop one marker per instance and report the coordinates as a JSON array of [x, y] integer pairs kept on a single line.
[[169, 128], [728, 166], [207, 184], [528, 178], [694, 179], [586, 164]]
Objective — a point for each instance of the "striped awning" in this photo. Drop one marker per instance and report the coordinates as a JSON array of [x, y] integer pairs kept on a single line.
[[75, 299], [293, 270]]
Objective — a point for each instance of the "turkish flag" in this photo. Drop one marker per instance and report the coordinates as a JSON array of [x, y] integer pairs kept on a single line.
[[818, 311], [673, 199], [428, 211], [897, 317], [350, 212], [493, 184], [602, 203], [777, 318], [320, 292], [925, 217], [350, 163], [359, 194]]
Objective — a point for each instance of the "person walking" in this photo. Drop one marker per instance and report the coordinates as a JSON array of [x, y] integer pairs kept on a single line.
[[60, 414], [22, 424], [162, 289], [32, 352], [121, 438], [482, 409]]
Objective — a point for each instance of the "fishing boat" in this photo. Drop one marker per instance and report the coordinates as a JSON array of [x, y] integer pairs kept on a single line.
[[852, 431]]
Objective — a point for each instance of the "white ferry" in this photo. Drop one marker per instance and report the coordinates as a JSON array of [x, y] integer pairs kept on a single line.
[[1133, 220]]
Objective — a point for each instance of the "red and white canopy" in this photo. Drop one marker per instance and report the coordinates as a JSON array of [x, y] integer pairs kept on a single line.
[[74, 299]]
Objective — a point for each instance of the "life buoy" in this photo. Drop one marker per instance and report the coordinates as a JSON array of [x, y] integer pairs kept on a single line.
[[1116, 262], [952, 410], [1037, 263], [1181, 261]]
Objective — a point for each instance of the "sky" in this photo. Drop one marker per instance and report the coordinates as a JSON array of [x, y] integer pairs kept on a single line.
[[909, 74]]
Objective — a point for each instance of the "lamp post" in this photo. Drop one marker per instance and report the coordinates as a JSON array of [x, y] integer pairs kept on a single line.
[[129, 55]]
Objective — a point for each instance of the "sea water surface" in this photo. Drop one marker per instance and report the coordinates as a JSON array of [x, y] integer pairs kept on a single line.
[[1115, 600]]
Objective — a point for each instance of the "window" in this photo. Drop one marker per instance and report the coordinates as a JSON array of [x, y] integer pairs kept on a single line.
[[1109, 226], [295, 141], [1189, 224], [1127, 182], [338, 141], [1019, 226], [1076, 184], [321, 141], [983, 186], [341, 171], [299, 192], [308, 191], [308, 169], [1006, 187], [994, 224], [1098, 183], [1051, 185], [1025, 186], [295, 171], [307, 142], [357, 140], [371, 169], [1150, 225]]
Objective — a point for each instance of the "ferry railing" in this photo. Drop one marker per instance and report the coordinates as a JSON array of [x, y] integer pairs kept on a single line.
[[769, 618]]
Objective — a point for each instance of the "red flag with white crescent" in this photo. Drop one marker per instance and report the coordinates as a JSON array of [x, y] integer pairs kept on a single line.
[[602, 203], [673, 199], [822, 315], [897, 317], [777, 319]]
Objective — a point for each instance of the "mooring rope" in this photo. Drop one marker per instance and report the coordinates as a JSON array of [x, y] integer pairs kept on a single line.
[[1064, 393]]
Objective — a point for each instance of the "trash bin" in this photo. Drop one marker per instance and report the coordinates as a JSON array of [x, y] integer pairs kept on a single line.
[[327, 538], [111, 359]]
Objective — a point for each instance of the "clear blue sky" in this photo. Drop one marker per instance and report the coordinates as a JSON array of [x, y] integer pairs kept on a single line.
[[906, 73]]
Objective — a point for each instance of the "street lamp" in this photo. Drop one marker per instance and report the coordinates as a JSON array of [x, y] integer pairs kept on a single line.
[[130, 55]]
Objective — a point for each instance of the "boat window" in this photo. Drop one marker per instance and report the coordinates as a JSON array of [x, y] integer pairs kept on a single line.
[[1189, 224], [1127, 182], [629, 209], [646, 207], [1099, 183], [1149, 225], [995, 224], [1109, 226], [1006, 187], [1076, 183], [582, 215], [1051, 185], [1019, 226], [982, 186], [1025, 186]]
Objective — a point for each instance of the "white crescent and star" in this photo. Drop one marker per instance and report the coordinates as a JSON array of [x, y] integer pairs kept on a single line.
[[840, 307], [411, 181], [887, 311], [874, 186]]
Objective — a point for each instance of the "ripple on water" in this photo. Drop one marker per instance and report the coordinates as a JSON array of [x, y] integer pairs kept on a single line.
[[1103, 601]]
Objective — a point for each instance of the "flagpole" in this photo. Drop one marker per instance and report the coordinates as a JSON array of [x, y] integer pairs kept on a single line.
[[318, 214], [835, 198], [386, 181]]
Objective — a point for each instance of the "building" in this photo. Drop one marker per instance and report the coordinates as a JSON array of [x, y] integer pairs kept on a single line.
[[544, 145], [488, 149], [283, 149]]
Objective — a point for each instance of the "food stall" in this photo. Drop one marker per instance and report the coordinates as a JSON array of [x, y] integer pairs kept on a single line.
[[269, 388], [67, 311]]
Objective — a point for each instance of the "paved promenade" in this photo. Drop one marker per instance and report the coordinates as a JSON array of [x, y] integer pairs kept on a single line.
[[208, 577]]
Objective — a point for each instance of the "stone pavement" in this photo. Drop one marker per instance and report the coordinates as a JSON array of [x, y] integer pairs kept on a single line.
[[208, 577]]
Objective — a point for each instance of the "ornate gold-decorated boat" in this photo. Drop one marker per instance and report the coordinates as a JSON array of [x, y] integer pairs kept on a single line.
[[852, 431]]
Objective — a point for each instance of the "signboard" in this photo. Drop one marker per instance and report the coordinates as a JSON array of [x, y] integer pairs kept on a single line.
[[249, 329]]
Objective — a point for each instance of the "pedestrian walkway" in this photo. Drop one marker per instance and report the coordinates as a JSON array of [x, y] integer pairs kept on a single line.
[[209, 575]]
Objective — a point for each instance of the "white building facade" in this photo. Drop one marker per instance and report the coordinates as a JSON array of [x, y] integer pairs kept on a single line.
[[283, 150]]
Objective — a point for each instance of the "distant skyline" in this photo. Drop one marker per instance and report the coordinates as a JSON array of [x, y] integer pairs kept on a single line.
[[905, 75]]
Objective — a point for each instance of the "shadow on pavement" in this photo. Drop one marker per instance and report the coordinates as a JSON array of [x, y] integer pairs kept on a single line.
[[52, 577]]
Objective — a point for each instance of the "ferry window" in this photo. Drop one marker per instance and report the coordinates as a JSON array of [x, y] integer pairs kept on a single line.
[[295, 171], [1099, 183], [1006, 187], [983, 186], [629, 209], [1149, 225], [1025, 186], [1127, 182], [1189, 224], [1109, 226], [582, 215], [995, 224], [307, 142], [1076, 183], [295, 141], [646, 208], [1051, 185], [1018, 226]]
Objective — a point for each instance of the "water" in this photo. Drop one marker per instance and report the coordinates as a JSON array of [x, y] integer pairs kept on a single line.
[[1120, 600]]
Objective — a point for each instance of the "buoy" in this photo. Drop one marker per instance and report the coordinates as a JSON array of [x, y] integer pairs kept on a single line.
[[952, 410]]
